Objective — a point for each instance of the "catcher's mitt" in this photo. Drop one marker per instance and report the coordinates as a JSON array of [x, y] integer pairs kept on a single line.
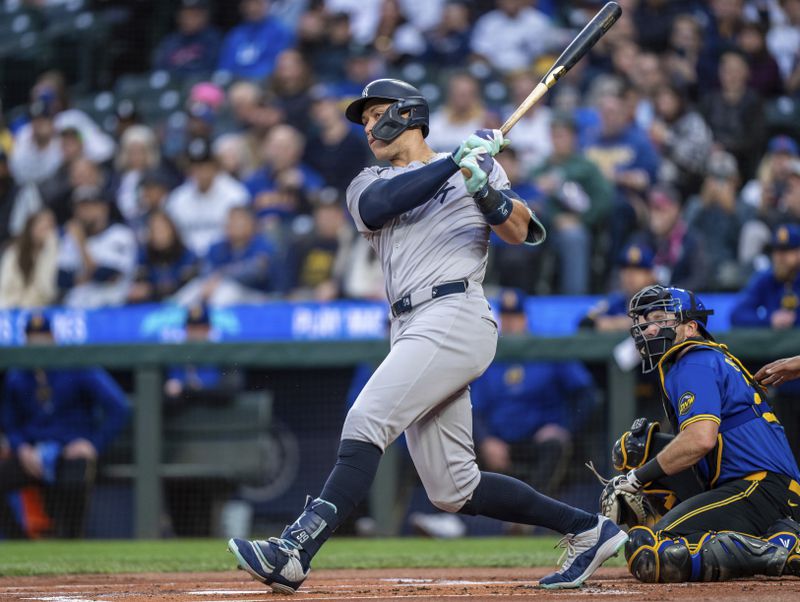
[[623, 508]]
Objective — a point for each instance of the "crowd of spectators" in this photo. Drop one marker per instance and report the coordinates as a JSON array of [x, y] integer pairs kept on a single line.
[[674, 134]]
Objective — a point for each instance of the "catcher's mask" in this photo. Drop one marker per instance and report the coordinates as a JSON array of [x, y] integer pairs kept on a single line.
[[409, 109], [656, 312]]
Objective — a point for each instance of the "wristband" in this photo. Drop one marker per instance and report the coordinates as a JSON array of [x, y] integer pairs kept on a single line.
[[650, 472], [494, 205]]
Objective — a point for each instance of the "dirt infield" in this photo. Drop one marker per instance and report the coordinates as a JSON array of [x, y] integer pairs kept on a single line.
[[418, 584]]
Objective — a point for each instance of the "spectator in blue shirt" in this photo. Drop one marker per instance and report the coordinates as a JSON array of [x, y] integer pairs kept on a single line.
[[627, 158], [57, 423], [771, 297], [194, 48], [249, 50], [526, 414], [237, 269], [165, 264]]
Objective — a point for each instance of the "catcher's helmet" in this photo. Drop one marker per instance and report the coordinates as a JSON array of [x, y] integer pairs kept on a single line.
[[409, 108], [683, 304]]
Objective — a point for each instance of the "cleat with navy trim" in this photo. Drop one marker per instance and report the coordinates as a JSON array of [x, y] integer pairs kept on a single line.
[[273, 562], [585, 552]]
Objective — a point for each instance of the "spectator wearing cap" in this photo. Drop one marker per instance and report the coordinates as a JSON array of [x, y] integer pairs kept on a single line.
[[164, 263], [336, 151], [679, 255], [772, 297], [151, 196], [526, 414], [681, 137], [51, 88], [249, 50], [462, 113], [577, 198], [200, 206], [37, 153], [715, 217], [138, 152], [194, 48], [284, 183], [240, 268], [317, 258], [57, 423], [735, 113], [29, 265], [96, 257], [635, 269]]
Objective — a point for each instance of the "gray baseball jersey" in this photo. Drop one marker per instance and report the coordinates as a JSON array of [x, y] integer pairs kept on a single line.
[[443, 240], [439, 347]]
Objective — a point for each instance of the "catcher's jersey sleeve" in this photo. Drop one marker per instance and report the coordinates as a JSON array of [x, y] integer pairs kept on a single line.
[[694, 390]]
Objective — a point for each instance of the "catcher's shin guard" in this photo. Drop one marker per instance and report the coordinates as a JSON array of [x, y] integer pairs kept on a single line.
[[718, 557]]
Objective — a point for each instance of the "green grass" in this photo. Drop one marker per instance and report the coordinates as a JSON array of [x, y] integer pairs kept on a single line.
[[61, 557]]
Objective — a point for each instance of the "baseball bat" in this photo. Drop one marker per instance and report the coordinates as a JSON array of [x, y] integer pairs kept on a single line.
[[583, 42]]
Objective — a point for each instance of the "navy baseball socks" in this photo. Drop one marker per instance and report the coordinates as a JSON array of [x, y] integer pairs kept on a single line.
[[590, 539], [283, 562]]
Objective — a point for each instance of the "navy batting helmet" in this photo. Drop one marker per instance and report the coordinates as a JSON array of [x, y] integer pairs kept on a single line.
[[409, 108], [683, 305]]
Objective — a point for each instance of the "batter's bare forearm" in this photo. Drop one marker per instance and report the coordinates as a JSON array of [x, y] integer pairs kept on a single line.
[[514, 230]]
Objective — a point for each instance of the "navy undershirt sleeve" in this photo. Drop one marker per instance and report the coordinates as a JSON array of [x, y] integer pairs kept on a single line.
[[386, 199]]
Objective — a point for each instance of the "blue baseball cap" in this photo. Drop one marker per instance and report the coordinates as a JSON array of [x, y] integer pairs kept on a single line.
[[786, 237], [512, 301], [783, 144], [37, 323], [198, 315], [636, 256]]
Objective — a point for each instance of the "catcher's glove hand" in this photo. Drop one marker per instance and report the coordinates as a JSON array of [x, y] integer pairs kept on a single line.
[[623, 505]]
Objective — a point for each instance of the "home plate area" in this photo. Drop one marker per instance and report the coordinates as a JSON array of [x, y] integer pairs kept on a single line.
[[383, 584]]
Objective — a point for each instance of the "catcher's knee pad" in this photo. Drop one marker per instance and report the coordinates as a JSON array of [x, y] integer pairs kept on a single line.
[[657, 560], [632, 449]]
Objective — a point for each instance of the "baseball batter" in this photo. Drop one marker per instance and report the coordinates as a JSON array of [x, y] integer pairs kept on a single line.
[[430, 227]]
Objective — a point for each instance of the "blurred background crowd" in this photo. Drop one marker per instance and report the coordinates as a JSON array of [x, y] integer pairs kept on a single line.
[[195, 151]]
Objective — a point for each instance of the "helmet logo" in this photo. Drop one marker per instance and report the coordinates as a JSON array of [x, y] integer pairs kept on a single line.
[[365, 91]]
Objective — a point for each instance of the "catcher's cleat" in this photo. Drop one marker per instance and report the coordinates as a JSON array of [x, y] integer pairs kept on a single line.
[[271, 562], [585, 552]]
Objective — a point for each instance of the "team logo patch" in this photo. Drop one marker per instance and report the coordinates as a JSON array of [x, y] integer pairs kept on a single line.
[[685, 403]]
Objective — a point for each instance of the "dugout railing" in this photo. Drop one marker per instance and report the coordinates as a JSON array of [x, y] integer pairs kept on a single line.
[[147, 363]]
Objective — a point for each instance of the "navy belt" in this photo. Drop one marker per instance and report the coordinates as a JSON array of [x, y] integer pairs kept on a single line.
[[412, 300]]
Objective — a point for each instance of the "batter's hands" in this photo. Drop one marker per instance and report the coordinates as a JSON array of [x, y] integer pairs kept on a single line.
[[779, 371], [626, 483], [492, 141], [479, 163]]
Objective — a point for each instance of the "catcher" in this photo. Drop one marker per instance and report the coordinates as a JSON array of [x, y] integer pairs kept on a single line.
[[719, 499]]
